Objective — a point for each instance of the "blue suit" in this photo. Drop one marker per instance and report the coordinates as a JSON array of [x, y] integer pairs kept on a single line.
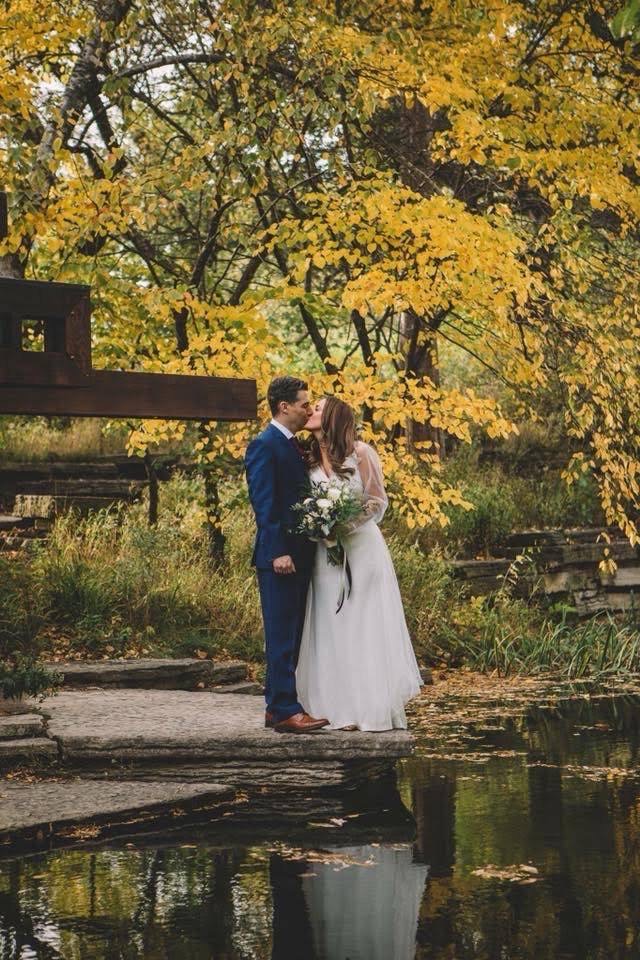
[[277, 476]]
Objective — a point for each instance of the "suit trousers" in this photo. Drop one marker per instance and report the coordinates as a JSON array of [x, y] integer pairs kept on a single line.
[[283, 598]]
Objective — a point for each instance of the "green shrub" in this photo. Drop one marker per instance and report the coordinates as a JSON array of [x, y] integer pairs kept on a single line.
[[21, 612], [506, 501], [484, 528], [27, 678]]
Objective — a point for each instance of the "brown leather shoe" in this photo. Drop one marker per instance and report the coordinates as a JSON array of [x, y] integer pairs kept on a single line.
[[269, 719], [300, 723]]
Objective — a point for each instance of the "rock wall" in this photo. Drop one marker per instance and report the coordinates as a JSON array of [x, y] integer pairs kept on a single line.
[[566, 564]]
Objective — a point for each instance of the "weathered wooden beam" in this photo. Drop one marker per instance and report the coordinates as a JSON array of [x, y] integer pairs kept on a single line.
[[29, 369], [164, 396], [59, 380]]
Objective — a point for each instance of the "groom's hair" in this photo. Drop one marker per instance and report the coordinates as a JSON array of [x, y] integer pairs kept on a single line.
[[284, 389]]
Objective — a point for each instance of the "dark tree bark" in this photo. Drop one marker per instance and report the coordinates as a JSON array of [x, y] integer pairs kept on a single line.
[[403, 133]]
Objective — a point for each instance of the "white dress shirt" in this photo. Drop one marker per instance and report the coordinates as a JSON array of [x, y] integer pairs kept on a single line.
[[281, 427]]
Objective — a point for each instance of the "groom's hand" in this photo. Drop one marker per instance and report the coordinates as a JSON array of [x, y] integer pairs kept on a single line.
[[283, 565]]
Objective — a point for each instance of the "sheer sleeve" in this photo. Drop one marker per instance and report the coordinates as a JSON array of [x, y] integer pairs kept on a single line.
[[375, 496]]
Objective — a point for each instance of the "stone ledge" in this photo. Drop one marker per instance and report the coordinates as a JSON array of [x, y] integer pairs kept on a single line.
[[11, 522], [229, 671], [280, 777], [27, 748], [156, 734], [49, 805], [21, 725], [151, 674], [146, 673]]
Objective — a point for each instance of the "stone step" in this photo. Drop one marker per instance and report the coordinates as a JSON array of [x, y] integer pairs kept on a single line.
[[151, 674], [227, 672], [21, 725], [249, 687], [49, 807], [27, 748], [204, 735], [533, 538], [13, 522]]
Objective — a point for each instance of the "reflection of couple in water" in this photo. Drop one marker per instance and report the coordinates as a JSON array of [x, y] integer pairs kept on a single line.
[[339, 909], [361, 904]]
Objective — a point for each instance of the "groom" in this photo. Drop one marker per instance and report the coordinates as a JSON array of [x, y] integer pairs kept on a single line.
[[276, 474]]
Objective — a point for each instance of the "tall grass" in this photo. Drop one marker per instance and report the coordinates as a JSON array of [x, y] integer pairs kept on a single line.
[[110, 585], [514, 644], [27, 439]]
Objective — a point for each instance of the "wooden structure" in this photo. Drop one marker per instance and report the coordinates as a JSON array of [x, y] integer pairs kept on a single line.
[[58, 379]]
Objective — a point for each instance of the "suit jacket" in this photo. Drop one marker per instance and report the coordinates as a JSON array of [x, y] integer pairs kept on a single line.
[[277, 476]]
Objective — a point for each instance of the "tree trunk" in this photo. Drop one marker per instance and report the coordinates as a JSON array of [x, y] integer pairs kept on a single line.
[[216, 540], [403, 132], [152, 477], [421, 361]]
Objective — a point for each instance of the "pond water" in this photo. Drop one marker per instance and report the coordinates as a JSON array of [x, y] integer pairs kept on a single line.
[[525, 844]]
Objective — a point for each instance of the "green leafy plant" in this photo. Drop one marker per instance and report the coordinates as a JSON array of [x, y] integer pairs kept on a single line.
[[27, 678]]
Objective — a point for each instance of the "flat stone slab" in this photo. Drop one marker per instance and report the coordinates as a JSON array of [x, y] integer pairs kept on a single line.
[[27, 748], [174, 726], [9, 521], [155, 674], [50, 804], [229, 671], [248, 686], [21, 725]]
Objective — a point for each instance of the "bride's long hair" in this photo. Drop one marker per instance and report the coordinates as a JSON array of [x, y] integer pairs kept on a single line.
[[338, 426]]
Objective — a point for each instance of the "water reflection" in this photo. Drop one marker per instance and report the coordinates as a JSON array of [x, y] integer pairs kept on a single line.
[[368, 907], [547, 790]]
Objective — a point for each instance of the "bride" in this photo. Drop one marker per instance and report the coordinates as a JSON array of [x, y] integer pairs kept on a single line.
[[356, 667]]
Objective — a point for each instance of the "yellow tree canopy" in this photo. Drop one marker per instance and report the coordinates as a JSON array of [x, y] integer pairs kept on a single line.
[[340, 189]]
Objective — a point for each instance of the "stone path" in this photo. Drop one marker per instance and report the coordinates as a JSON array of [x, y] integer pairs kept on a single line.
[[151, 673], [24, 737], [138, 725], [131, 749], [48, 806]]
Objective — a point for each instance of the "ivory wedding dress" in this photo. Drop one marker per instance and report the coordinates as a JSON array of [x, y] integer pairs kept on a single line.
[[357, 667]]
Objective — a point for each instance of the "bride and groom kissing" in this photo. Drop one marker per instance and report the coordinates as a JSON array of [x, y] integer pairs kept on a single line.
[[350, 668]]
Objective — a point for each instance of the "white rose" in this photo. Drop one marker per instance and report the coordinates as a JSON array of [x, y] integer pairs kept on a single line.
[[323, 504], [334, 494]]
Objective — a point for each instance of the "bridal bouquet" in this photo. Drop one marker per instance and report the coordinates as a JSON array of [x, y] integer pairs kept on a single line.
[[324, 515]]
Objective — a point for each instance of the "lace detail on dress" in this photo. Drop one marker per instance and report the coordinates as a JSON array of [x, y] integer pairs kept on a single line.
[[366, 480]]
